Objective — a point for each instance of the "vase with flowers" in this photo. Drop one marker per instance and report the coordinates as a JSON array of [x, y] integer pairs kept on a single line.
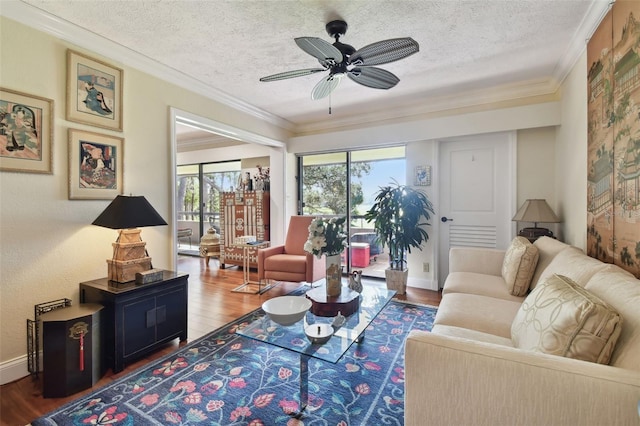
[[327, 237]]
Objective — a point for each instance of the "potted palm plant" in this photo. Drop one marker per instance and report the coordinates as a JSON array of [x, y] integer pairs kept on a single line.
[[399, 215]]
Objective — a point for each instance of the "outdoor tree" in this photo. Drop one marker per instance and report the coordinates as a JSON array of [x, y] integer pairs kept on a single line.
[[188, 192], [324, 187]]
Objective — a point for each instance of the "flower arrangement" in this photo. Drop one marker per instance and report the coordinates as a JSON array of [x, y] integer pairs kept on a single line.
[[263, 172], [326, 236], [262, 178]]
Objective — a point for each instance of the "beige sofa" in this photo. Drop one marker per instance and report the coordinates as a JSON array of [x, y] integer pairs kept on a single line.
[[469, 371]]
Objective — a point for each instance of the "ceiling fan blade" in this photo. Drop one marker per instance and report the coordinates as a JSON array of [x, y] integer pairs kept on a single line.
[[374, 77], [385, 51], [292, 74], [325, 53], [325, 86]]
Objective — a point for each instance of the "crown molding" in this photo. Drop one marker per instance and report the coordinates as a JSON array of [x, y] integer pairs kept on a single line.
[[578, 44], [42, 21], [425, 104]]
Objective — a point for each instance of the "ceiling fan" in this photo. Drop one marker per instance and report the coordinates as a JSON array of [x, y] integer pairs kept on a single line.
[[342, 59]]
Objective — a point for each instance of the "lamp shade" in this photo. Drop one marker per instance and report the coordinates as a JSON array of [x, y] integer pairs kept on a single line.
[[129, 212], [536, 211]]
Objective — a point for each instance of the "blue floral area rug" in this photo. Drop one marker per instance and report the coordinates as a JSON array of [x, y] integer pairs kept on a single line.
[[226, 379]]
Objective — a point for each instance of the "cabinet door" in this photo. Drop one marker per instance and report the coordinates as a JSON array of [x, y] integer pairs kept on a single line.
[[171, 313], [138, 325]]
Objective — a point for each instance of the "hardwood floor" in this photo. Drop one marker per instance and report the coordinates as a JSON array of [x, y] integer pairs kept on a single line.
[[211, 305]]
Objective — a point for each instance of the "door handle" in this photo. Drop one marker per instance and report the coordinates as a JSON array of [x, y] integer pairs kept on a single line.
[[445, 219]]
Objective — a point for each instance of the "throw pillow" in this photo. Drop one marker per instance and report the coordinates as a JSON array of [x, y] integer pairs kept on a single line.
[[561, 318], [518, 266]]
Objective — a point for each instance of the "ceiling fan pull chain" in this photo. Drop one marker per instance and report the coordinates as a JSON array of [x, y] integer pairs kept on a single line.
[[329, 103]]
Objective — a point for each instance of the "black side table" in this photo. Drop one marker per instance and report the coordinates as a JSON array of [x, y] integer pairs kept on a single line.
[[139, 318]]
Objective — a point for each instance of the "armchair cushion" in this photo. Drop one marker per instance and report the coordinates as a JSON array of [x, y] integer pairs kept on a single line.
[[286, 263], [561, 318], [519, 264], [297, 235]]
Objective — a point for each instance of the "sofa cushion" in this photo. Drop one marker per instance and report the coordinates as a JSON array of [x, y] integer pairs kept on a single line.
[[480, 313], [480, 284], [573, 263], [621, 290], [548, 248], [559, 317], [518, 266]]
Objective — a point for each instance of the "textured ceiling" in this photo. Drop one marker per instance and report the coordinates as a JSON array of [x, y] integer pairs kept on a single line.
[[229, 45]]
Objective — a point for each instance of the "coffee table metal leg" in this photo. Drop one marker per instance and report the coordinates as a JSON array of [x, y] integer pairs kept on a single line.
[[304, 381], [304, 386], [268, 285]]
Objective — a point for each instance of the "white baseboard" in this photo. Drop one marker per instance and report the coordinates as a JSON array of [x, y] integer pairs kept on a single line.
[[424, 283], [13, 369]]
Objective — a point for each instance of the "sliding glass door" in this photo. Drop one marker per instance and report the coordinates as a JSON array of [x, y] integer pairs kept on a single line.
[[326, 179], [198, 189]]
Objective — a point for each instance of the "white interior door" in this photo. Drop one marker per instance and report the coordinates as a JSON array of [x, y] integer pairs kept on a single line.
[[477, 186]]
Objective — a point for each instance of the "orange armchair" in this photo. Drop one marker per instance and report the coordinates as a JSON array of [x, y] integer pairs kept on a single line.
[[289, 262]]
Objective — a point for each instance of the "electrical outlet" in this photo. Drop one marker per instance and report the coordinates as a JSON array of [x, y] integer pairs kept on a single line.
[[425, 267]]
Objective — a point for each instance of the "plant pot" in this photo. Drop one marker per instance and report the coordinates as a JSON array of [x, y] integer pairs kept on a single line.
[[397, 280]]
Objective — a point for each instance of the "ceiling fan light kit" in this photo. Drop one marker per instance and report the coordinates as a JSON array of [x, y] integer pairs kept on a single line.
[[341, 59]]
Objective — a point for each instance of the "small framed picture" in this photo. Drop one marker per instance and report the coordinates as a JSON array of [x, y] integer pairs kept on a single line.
[[95, 166], [94, 92], [26, 132], [423, 176]]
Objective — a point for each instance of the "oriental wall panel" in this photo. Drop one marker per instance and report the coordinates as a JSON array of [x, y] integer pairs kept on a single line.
[[613, 156]]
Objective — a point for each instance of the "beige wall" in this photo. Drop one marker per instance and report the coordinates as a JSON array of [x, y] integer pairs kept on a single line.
[[571, 157], [536, 170], [47, 245]]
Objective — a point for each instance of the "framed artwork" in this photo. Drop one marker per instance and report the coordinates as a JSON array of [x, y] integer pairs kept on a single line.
[[26, 132], [423, 176], [94, 92], [95, 166]]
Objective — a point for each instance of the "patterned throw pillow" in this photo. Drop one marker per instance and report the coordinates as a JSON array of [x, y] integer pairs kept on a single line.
[[518, 266], [561, 318]]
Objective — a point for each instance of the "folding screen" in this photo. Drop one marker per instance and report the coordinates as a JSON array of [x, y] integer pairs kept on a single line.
[[613, 156]]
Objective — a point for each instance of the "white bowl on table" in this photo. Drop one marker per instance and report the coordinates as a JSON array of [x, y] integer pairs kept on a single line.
[[286, 310]]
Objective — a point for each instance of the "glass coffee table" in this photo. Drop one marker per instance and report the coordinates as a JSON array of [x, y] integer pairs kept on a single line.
[[293, 338]]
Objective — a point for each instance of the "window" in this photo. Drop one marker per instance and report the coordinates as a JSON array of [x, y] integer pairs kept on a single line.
[[327, 178], [198, 189]]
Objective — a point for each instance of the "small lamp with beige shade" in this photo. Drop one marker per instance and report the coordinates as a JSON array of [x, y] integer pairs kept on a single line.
[[536, 211]]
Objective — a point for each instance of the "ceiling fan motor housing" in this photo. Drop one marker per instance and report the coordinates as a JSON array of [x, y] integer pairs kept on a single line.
[[336, 28]]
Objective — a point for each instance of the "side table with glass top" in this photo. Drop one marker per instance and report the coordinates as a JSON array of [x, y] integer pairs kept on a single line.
[[246, 287], [372, 302]]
